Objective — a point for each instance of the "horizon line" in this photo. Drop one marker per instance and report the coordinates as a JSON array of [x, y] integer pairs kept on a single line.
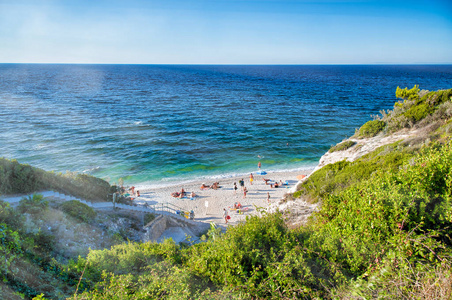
[[224, 64]]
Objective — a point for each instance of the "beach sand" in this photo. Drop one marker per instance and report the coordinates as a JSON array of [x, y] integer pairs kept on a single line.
[[208, 205]]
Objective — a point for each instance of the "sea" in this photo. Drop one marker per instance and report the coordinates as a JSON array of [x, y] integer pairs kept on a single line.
[[154, 125]]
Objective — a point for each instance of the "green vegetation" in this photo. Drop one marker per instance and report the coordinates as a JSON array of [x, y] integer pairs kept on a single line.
[[335, 177], [342, 146], [383, 231], [148, 218], [79, 210], [410, 94], [22, 178], [371, 128], [417, 107], [33, 205], [28, 267]]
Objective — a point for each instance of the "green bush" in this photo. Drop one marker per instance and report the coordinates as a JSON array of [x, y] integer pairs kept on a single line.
[[33, 204], [148, 218], [414, 109], [259, 258], [10, 216], [410, 94], [371, 128], [418, 112], [342, 146], [394, 215], [16, 178], [335, 177], [10, 247], [79, 210]]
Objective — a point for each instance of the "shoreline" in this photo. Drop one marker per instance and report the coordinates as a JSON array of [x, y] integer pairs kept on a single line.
[[178, 181], [209, 203]]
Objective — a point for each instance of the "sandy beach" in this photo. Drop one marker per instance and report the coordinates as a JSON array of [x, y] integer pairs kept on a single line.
[[208, 204]]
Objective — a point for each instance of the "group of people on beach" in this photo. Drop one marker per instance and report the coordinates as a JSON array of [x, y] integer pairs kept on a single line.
[[242, 187], [238, 207], [273, 185], [132, 190], [215, 186], [182, 194]]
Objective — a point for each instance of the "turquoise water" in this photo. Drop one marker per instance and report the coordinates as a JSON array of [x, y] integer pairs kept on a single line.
[[154, 124]]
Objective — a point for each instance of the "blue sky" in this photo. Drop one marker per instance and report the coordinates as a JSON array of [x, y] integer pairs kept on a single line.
[[226, 32]]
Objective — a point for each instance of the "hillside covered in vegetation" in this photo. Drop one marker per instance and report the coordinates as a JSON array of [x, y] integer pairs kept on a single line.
[[17, 178], [383, 230]]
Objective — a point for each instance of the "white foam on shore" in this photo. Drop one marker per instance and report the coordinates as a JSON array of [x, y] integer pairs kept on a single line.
[[178, 181]]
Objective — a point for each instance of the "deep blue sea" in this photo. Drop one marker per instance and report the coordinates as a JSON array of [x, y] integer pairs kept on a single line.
[[155, 124]]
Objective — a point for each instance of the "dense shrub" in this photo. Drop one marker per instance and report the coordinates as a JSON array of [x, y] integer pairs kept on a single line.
[[371, 128], [342, 146], [10, 216], [35, 204], [10, 247], [392, 222], [415, 109], [259, 258], [148, 218], [410, 94], [418, 112], [16, 178], [79, 210], [403, 281]]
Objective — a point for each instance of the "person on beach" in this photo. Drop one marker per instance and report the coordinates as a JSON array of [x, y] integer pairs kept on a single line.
[[268, 197], [193, 195], [138, 193], [235, 188], [259, 165], [251, 178], [204, 186], [182, 193], [225, 215], [266, 180], [215, 185], [244, 192], [242, 183]]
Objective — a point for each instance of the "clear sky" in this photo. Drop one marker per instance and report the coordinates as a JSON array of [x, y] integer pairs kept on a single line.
[[226, 31]]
